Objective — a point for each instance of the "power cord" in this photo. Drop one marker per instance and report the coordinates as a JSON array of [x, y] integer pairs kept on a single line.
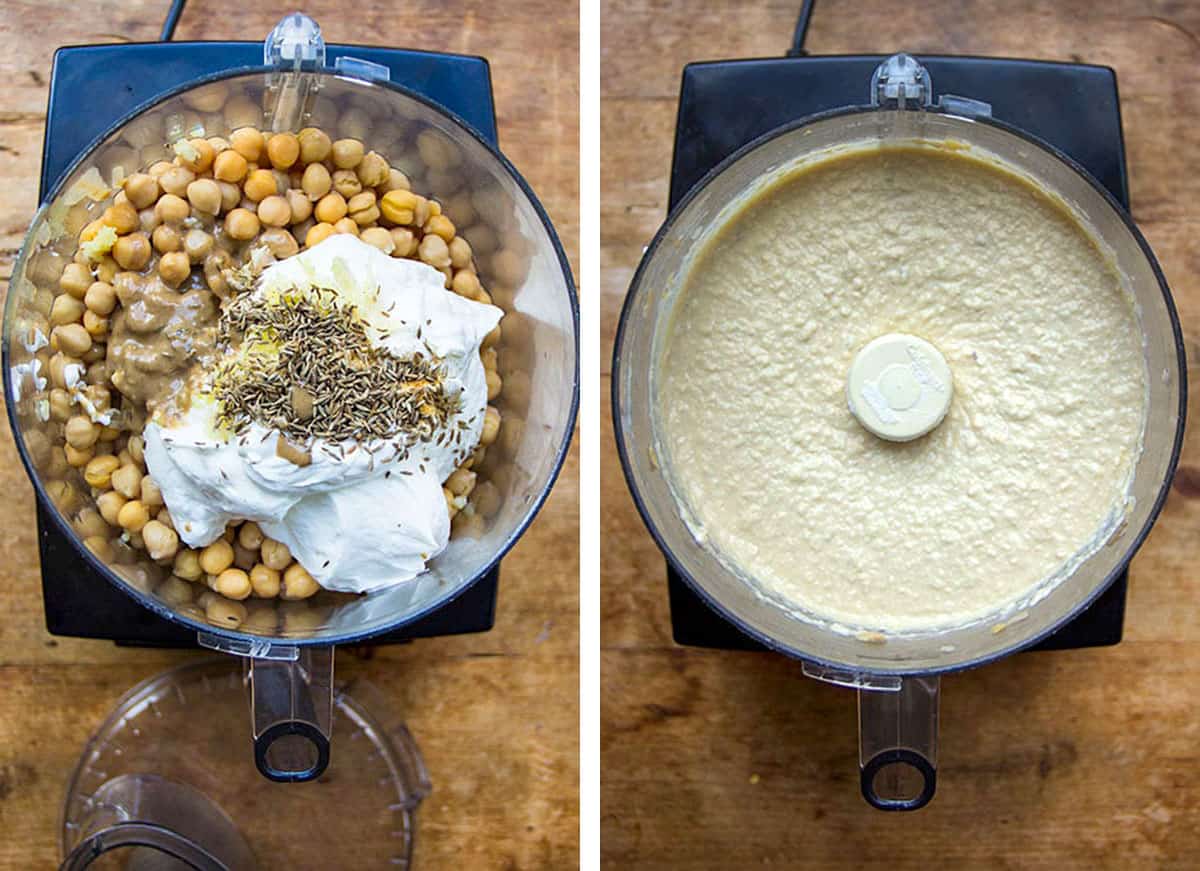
[[168, 28], [797, 49]]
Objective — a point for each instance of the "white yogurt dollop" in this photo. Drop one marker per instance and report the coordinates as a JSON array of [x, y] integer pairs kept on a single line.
[[358, 517]]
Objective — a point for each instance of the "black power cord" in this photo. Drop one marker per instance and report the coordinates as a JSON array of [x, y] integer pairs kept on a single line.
[[797, 49], [168, 29]]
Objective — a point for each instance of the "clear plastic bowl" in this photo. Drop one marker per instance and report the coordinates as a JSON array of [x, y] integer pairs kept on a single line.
[[520, 262]]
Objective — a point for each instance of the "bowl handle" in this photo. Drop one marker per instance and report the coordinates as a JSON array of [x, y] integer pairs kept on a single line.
[[897, 743], [291, 707]]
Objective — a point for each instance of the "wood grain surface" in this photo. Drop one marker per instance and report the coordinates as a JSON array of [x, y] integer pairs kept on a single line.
[[1082, 759], [495, 715]]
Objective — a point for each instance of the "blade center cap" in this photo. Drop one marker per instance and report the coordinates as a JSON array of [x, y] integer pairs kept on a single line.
[[899, 387]]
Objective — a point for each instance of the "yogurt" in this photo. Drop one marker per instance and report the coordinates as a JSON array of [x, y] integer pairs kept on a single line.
[[360, 516]]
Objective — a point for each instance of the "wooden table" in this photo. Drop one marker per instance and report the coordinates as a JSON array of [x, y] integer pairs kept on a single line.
[[1082, 759], [496, 714]]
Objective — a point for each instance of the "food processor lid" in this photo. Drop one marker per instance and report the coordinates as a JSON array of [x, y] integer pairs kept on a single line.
[[160, 785]]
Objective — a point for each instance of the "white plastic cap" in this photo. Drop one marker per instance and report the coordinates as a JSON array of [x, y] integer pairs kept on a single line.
[[899, 387]]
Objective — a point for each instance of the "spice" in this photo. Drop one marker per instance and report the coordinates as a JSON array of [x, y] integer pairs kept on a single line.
[[305, 367]]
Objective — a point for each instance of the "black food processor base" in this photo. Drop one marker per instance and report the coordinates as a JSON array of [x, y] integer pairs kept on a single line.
[[726, 104], [78, 601]]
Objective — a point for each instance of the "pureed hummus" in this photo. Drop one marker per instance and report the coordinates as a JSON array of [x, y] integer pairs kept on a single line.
[[1027, 473]]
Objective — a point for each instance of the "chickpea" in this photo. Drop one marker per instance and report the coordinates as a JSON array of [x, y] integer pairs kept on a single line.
[[197, 245], [78, 457], [330, 208], [172, 209], [133, 516], [63, 495], [380, 238], [127, 480], [316, 181], [151, 495], [396, 181], [176, 179], [75, 280], [399, 206], [404, 240], [362, 208], [98, 472], [141, 190], [158, 168], [174, 591], [300, 205], [121, 217], [242, 224], [346, 225], [250, 536], [264, 581], [223, 612], [491, 426], [461, 482], [318, 234], [219, 146], [217, 557], [214, 263], [203, 158], [424, 211], [137, 450], [96, 326], [187, 564], [60, 404], [347, 153], [283, 149], [165, 238], [132, 252], [161, 541], [110, 504], [230, 166], [174, 267], [494, 384], [148, 219], [233, 584], [440, 225], [373, 170], [205, 196], [460, 253], [297, 583], [314, 145], [231, 195], [248, 142], [280, 242], [66, 310], [346, 183], [465, 283], [80, 432], [451, 506], [274, 211], [275, 554], [434, 251], [260, 184]]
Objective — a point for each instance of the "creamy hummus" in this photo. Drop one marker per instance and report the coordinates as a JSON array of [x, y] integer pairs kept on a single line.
[[1028, 472]]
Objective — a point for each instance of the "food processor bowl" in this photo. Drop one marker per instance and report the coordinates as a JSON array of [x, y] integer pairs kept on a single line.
[[519, 260], [899, 671]]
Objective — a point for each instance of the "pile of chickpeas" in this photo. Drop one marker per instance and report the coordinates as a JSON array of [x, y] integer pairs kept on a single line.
[[194, 222]]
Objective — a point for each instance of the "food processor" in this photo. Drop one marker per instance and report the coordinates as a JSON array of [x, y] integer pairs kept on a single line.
[[393, 100], [881, 100]]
